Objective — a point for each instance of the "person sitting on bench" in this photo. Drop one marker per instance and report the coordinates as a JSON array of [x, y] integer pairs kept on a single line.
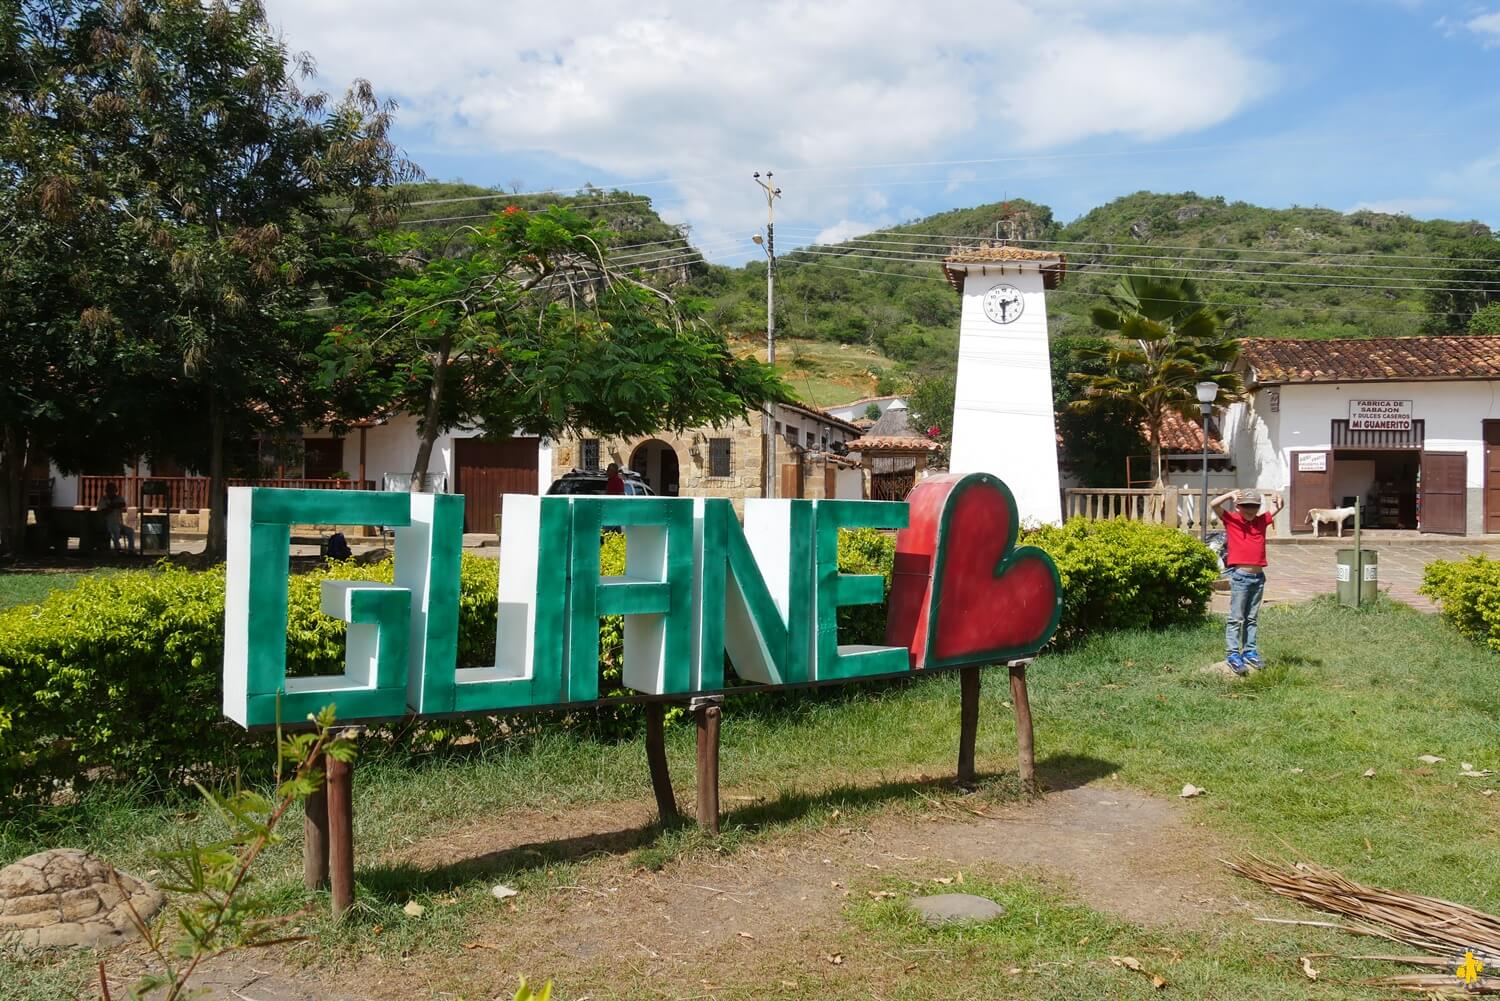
[[113, 508]]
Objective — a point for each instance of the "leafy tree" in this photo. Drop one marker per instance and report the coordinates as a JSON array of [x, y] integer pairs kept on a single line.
[[226, 173], [71, 374], [523, 325], [1466, 288], [1169, 341], [1096, 441], [1486, 320], [872, 412], [931, 406]]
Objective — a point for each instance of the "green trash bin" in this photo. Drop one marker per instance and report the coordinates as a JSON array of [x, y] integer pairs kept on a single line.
[[1367, 576]]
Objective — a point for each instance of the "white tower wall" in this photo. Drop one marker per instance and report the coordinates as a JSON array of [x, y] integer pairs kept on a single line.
[[1002, 415]]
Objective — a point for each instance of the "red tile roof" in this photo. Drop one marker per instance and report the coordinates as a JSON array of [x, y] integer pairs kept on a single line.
[[1052, 273], [904, 445], [1372, 359], [1178, 434]]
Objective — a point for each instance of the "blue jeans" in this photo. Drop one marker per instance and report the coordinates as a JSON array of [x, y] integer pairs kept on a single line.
[[1245, 591]]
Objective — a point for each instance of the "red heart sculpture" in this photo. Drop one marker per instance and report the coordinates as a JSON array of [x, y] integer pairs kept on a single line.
[[962, 593]]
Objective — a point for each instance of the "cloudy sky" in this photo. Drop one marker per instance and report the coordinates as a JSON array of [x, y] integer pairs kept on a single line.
[[879, 111]]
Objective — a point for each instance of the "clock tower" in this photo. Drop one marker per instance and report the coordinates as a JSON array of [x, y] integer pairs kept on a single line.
[[1002, 402]]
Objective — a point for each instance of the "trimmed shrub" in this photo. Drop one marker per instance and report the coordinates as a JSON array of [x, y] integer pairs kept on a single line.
[[1469, 592], [119, 677], [1121, 574]]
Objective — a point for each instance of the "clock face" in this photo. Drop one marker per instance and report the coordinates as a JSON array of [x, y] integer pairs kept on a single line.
[[1004, 303]]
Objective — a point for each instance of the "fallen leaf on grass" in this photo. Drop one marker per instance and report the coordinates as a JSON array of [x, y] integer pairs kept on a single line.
[[945, 880], [413, 909], [1190, 790], [1296, 771], [837, 958], [1131, 963], [1482, 773], [446, 901], [503, 892], [1488, 792], [1307, 969], [480, 945], [1368, 773], [1467, 766], [745, 934], [1429, 759], [882, 894]]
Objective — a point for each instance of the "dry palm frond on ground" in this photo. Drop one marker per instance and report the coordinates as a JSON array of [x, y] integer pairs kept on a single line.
[[1438, 926], [1441, 927]]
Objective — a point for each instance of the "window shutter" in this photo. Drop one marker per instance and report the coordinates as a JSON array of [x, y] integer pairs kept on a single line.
[[718, 457], [590, 456]]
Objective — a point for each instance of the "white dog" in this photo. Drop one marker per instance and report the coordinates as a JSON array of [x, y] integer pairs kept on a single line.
[[1337, 515]]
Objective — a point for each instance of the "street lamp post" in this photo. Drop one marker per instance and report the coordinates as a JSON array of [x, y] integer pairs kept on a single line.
[[1207, 392]]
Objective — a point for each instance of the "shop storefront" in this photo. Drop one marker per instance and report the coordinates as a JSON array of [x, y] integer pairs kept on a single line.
[[1408, 428]]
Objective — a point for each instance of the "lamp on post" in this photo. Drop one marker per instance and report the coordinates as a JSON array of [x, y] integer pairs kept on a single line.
[[1207, 392]]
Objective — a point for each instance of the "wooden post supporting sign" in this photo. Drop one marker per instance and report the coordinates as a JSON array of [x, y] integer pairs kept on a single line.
[[1025, 749], [706, 713], [968, 723], [340, 799], [656, 760], [315, 836]]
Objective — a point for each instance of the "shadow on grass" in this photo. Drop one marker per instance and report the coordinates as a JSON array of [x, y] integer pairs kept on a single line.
[[655, 844]]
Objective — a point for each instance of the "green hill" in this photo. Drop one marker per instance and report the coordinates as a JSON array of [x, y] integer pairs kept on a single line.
[[1298, 272], [873, 313]]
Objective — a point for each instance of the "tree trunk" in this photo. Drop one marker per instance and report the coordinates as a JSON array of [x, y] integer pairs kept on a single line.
[[218, 495], [1153, 432], [12, 491], [429, 429]]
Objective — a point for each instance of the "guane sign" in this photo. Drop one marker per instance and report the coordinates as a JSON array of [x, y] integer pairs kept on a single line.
[[698, 586]]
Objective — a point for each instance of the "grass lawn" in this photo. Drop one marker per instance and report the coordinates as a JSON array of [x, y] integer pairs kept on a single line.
[[1282, 755], [32, 586]]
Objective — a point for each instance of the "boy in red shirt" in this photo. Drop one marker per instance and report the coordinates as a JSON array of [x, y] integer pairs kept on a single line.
[[1245, 527]]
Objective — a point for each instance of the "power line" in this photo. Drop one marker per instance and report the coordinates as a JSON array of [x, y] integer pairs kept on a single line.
[[1197, 274], [894, 240], [1217, 305], [1118, 244], [1327, 308]]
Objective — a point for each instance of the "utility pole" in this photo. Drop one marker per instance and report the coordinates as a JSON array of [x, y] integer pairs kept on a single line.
[[769, 246]]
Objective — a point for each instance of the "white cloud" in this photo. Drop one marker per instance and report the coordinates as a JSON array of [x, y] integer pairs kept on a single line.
[[1487, 27], [1417, 207], [708, 92], [846, 228]]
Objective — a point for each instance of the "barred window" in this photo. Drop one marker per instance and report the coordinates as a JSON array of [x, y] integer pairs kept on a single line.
[[590, 457], [718, 457]]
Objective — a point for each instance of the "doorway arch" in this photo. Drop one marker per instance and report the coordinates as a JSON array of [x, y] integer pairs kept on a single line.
[[657, 463]]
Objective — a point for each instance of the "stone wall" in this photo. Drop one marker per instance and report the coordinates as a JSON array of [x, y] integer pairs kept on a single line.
[[692, 449]]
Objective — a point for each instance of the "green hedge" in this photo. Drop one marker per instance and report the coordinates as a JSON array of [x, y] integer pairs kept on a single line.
[[1469, 593], [119, 677], [1121, 574]]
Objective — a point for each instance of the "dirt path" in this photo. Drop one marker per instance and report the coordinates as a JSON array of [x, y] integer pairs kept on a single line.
[[771, 906]]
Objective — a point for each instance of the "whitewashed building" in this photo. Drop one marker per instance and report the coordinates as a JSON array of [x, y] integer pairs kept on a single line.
[[1407, 426]]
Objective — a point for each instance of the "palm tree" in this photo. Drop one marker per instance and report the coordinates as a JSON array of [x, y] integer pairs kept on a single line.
[[1170, 341]]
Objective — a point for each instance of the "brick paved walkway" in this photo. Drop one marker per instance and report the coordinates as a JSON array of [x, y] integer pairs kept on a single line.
[[1300, 570]]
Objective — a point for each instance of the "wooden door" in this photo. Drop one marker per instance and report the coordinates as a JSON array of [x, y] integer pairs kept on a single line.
[[1492, 476], [486, 470], [322, 457], [1311, 486], [1441, 506]]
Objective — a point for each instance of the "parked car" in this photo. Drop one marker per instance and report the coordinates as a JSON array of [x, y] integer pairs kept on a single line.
[[591, 481]]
